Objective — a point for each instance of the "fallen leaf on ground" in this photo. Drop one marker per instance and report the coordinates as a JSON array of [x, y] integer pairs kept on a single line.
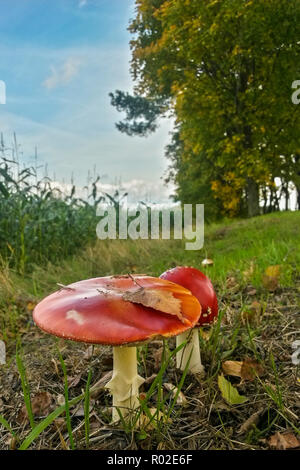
[[253, 313], [284, 441], [30, 306], [232, 368], [270, 278], [150, 379], [73, 381], [181, 399], [251, 369], [146, 422], [79, 412], [41, 404], [247, 369], [250, 422], [89, 352], [158, 299], [229, 392], [100, 385], [252, 292], [157, 356]]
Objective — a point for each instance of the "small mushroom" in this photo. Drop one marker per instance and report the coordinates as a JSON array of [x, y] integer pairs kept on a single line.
[[121, 311], [202, 288]]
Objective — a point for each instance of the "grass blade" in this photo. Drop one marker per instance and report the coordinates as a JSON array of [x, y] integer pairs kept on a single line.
[[25, 388], [68, 418]]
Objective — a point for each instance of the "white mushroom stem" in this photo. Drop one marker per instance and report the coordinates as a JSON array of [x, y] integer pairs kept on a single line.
[[125, 382], [190, 352]]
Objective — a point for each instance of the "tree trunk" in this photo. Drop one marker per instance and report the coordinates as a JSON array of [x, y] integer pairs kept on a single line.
[[298, 197], [252, 198]]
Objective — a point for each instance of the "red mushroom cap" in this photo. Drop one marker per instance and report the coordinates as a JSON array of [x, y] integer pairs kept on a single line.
[[200, 286], [95, 311]]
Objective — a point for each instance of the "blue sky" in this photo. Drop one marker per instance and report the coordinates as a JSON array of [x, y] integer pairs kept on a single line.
[[59, 60]]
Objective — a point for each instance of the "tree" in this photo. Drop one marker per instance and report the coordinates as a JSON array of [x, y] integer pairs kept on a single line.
[[224, 68]]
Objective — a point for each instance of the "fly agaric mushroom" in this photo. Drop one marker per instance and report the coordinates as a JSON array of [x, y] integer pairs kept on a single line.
[[202, 288], [121, 311]]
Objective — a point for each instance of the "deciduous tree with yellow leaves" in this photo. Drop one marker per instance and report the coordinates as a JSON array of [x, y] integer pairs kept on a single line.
[[224, 68]]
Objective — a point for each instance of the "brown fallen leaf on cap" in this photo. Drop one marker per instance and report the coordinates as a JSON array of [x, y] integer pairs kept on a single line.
[[158, 299], [284, 441]]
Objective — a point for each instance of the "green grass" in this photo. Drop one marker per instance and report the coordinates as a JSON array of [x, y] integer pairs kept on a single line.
[[243, 248]]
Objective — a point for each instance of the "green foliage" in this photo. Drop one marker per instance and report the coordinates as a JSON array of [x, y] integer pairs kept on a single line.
[[141, 113], [225, 70], [37, 222]]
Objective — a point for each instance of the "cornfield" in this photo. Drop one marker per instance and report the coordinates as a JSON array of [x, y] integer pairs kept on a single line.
[[39, 222]]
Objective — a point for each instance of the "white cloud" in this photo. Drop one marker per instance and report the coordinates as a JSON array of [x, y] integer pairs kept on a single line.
[[62, 75], [82, 3]]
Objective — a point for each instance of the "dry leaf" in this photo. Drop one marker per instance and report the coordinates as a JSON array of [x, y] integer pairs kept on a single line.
[[253, 313], [89, 352], [79, 411], [251, 369], [270, 278], [158, 299], [145, 422], [246, 369], [60, 399], [150, 379], [250, 422], [157, 356], [30, 306], [40, 405], [232, 283], [181, 399], [232, 368], [100, 385], [256, 307], [273, 271], [73, 381], [284, 441], [252, 292]]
